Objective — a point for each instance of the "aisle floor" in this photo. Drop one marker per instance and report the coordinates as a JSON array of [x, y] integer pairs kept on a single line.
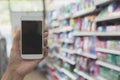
[[34, 75]]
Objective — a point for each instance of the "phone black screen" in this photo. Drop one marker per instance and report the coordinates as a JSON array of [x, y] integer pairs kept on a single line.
[[31, 37]]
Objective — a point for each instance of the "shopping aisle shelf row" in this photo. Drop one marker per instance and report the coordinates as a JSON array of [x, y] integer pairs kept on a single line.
[[61, 29], [105, 64], [65, 59], [64, 17], [89, 55], [69, 74], [97, 2], [96, 34], [70, 51], [112, 17], [101, 63], [83, 74], [101, 78], [84, 12], [59, 77], [66, 41], [110, 51]]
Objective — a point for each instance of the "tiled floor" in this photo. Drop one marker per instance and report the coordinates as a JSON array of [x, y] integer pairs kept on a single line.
[[34, 75]]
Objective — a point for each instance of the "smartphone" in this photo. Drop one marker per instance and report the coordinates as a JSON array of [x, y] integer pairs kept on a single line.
[[31, 37]]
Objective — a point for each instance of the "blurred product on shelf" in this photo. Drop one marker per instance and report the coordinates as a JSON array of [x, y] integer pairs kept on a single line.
[[3, 56]]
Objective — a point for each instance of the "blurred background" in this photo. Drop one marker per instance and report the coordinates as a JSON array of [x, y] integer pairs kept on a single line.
[[83, 42]]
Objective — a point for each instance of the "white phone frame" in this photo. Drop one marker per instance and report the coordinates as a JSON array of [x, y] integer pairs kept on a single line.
[[31, 56]]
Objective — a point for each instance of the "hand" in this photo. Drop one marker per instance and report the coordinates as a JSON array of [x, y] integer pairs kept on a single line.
[[18, 66]]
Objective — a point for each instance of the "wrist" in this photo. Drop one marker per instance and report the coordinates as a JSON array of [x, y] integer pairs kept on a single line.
[[12, 75]]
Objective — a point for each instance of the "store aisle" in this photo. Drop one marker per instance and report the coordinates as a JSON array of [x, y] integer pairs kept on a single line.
[[34, 75]]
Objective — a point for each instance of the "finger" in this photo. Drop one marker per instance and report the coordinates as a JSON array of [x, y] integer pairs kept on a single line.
[[16, 38], [45, 42], [45, 34], [45, 52]]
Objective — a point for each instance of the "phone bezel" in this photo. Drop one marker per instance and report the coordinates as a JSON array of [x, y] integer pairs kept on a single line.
[[31, 56]]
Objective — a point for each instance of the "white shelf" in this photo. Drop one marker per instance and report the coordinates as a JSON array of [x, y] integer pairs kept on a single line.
[[59, 77], [64, 29], [50, 55], [89, 55], [58, 68], [84, 75], [56, 24], [68, 50], [50, 65], [84, 12], [107, 18], [66, 59], [66, 40], [96, 34], [100, 78], [56, 45], [61, 29], [69, 74], [108, 51], [104, 64], [99, 2], [64, 17]]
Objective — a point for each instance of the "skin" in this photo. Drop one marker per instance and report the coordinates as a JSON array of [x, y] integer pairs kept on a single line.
[[17, 67]]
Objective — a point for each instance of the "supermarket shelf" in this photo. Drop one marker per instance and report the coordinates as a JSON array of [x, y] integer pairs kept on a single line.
[[56, 45], [59, 77], [54, 25], [57, 67], [69, 74], [97, 2], [108, 51], [89, 55], [64, 29], [83, 74], [68, 50], [108, 18], [65, 59], [100, 78], [104, 64], [50, 55], [66, 41], [96, 34], [64, 17], [84, 12], [50, 65]]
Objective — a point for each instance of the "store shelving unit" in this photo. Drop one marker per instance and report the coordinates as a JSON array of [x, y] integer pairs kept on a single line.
[[102, 2], [66, 41], [112, 17], [83, 74], [84, 12], [66, 60], [89, 55], [96, 34], [71, 75], [64, 17], [66, 29], [110, 51], [59, 77], [105, 64], [101, 78], [70, 51]]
